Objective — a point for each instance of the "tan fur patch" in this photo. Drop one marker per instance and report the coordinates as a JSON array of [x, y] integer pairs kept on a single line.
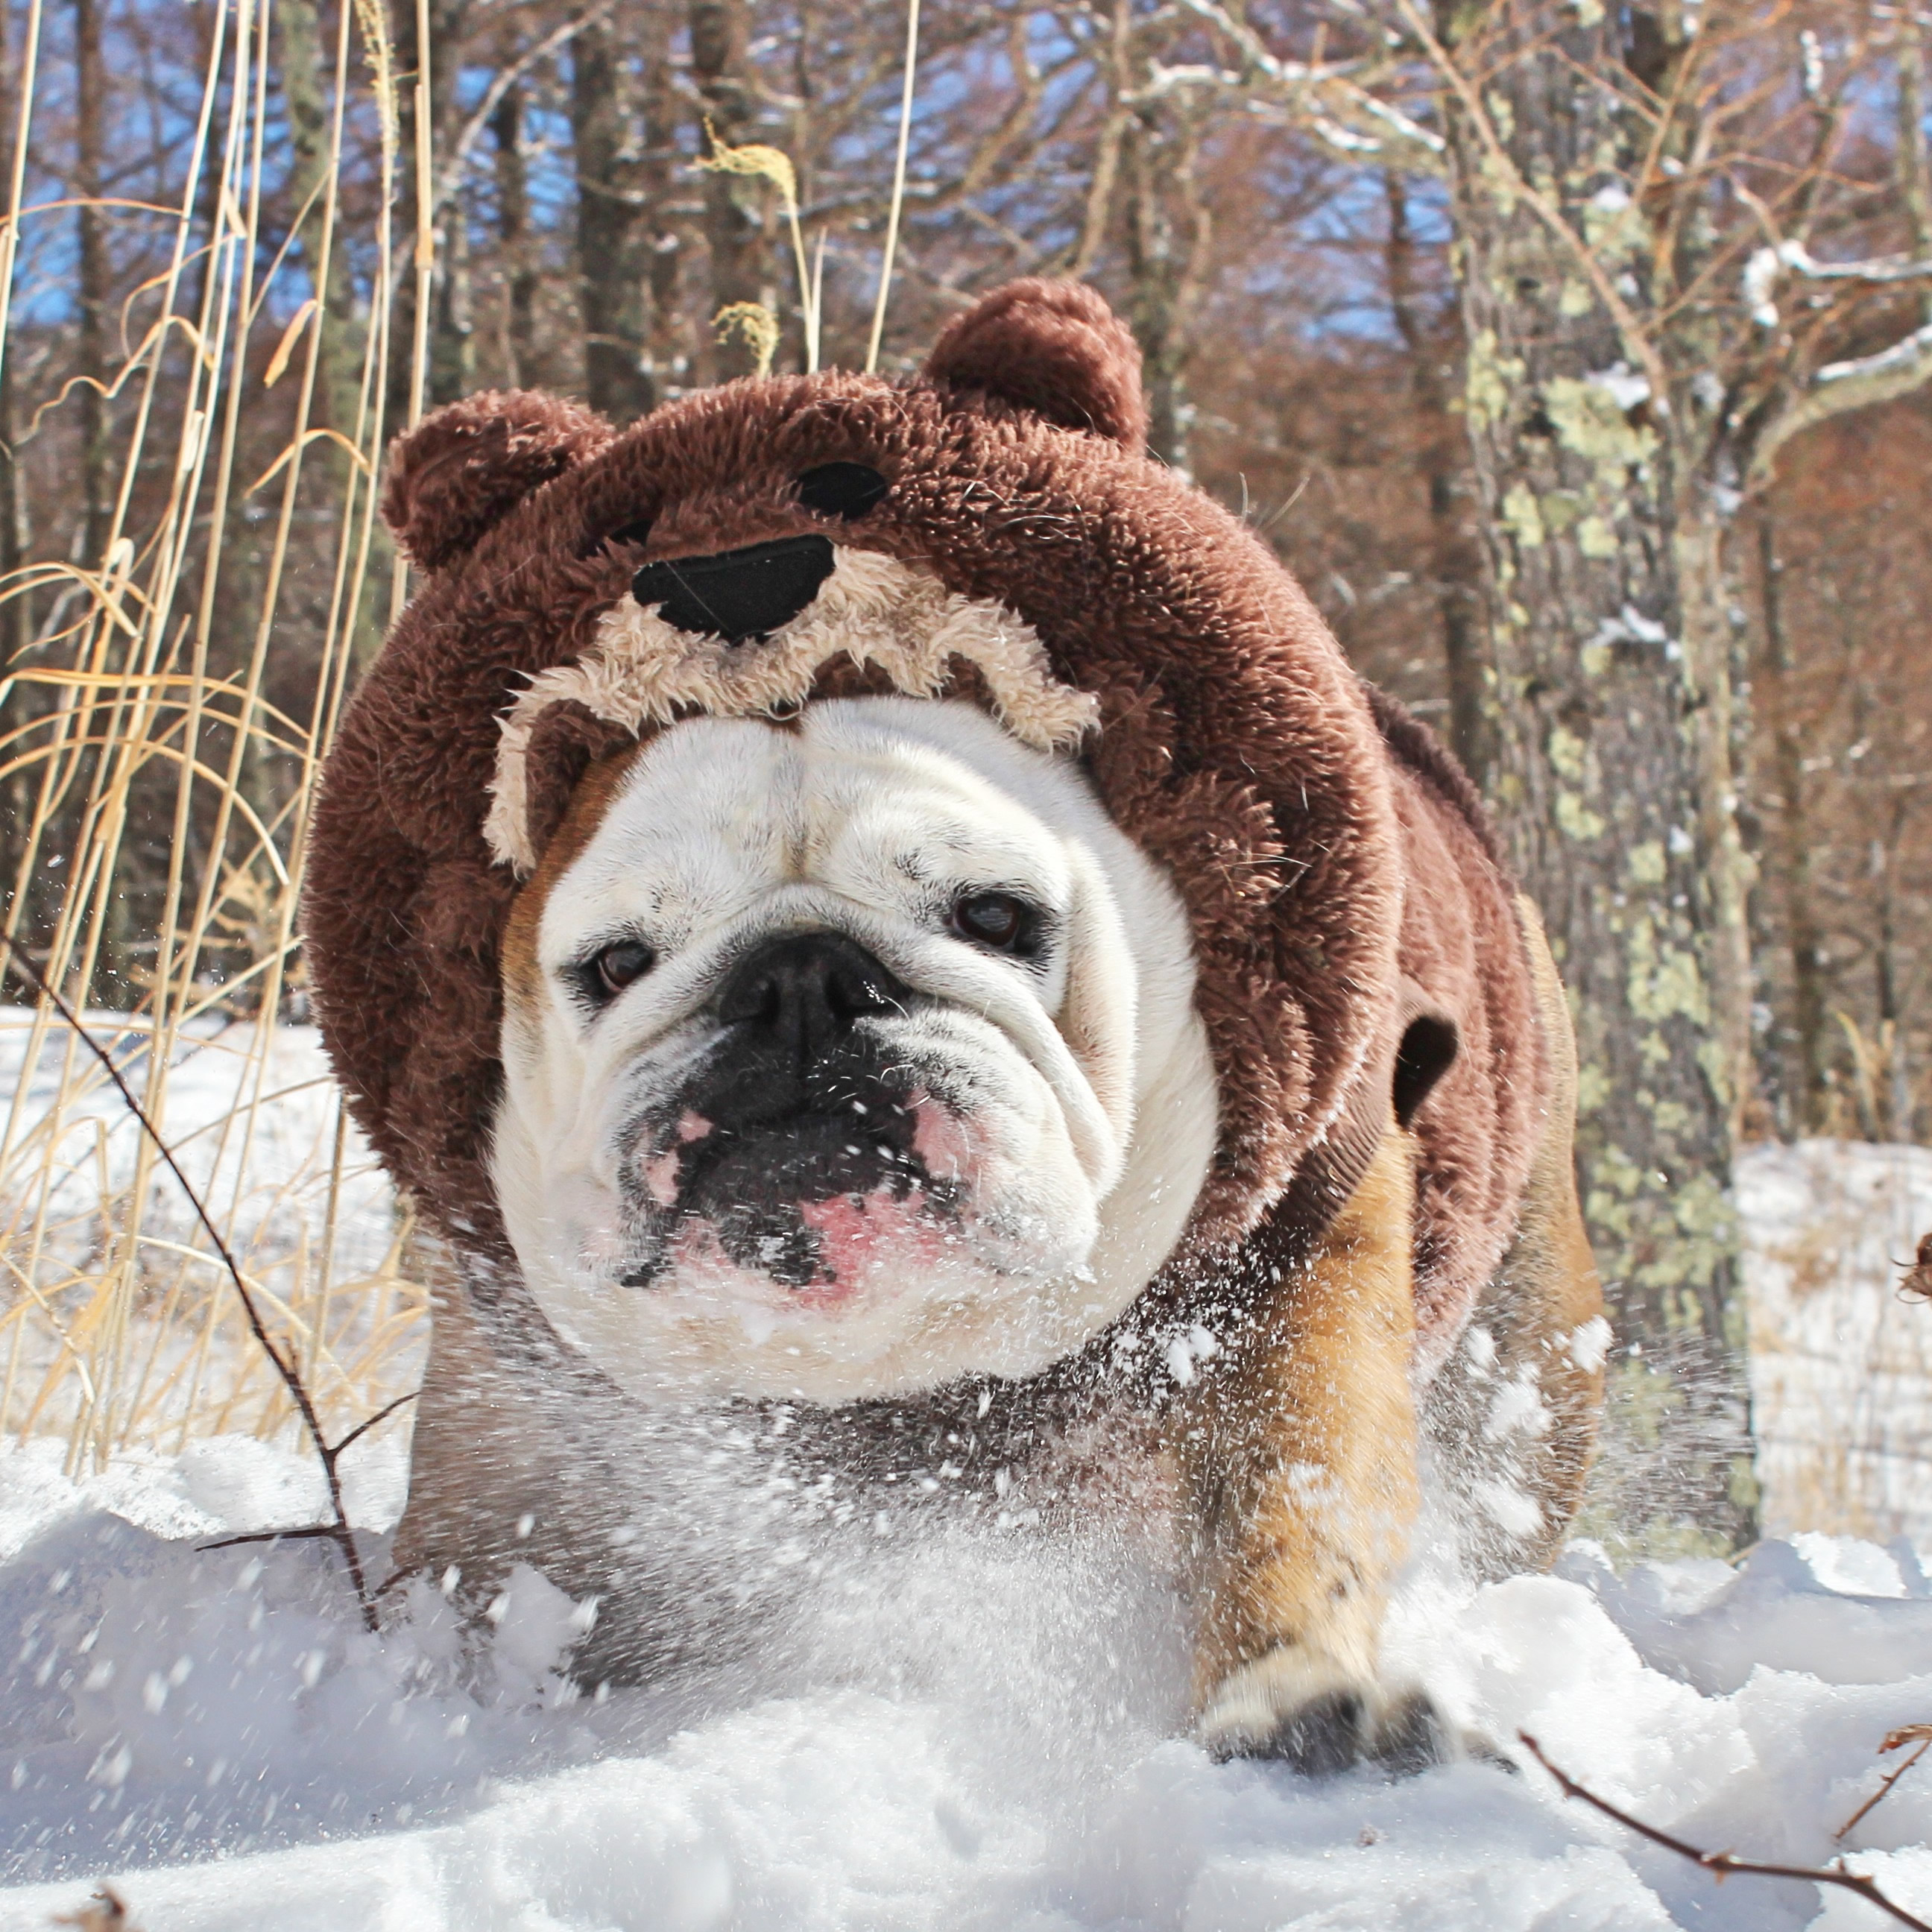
[[872, 610], [522, 974], [1301, 1466]]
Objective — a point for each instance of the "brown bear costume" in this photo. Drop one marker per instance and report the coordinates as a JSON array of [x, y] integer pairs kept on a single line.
[[1391, 1048]]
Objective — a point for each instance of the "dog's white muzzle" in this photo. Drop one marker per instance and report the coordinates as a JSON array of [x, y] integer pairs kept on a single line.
[[790, 1112]]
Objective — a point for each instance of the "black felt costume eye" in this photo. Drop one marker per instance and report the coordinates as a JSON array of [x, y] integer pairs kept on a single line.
[[849, 491]]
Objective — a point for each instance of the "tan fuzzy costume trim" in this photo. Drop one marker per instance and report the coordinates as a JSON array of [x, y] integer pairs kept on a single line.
[[873, 609]]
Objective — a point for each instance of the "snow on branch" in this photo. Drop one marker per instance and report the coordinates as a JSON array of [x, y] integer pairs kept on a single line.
[[1908, 355], [1342, 86], [1840, 387], [1801, 261], [1768, 265]]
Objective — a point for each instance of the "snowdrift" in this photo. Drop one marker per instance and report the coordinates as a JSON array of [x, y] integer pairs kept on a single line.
[[978, 1737]]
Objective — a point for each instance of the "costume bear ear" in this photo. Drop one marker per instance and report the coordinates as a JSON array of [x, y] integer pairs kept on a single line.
[[465, 468], [1054, 348]]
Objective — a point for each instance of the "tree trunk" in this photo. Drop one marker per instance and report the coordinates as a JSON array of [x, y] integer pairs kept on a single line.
[[1914, 172], [1611, 715], [452, 371], [731, 228], [1455, 556], [660, 242], [1165, 256], [1788, 734], [611, 280], [16, 613], [452, 357], [1891, 1030], [513, 221], [305, 71]]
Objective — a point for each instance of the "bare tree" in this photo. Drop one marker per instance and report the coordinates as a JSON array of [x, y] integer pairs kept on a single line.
[[610, 282], [1787, 716], [305, 73], [1434, 356], [731, 225], [513, 238], [1622, 225]]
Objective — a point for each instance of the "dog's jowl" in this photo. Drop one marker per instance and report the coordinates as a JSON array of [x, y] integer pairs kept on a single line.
[[886, 942]]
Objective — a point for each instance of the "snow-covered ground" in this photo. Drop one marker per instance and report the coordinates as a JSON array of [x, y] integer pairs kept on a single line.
[[251, 1119], [986, 1740], [971, 1728], [151, 1341], [1841, 1366]]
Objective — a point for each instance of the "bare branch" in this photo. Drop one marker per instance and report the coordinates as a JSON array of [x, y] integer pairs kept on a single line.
[[1726, 1864], [1841, 387], [306, 1533], [381, 1415], [1905, 1734], [450, 178], [1339, 89], [337, 1530]]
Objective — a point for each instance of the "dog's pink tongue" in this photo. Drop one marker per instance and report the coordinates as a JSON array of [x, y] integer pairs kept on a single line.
[[867, 1241]]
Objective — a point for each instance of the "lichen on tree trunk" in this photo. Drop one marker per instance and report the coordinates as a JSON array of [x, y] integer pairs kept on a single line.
[[1611, 733], [731, 227]]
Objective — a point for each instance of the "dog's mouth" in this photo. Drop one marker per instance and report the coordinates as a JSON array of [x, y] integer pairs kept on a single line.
[[802, 1152], [814, 1200]]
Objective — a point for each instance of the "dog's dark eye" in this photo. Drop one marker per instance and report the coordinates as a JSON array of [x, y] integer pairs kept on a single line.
[[608, 972], [997, 919], [847, 490]]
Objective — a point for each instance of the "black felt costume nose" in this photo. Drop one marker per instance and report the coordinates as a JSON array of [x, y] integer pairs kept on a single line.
[[737, 594], [799, 995]]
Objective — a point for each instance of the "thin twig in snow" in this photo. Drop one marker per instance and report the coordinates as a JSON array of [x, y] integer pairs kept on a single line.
[[1919, 1734], [337, 1530], [1722, 1865]]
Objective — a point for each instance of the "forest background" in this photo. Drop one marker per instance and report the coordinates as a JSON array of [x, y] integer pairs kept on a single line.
[[1570, 355]]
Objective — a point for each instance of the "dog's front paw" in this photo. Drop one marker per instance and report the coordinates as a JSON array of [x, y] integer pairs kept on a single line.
[[1308, 1711]]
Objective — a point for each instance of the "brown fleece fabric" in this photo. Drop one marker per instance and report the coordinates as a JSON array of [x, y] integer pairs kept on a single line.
[[1336, 864]]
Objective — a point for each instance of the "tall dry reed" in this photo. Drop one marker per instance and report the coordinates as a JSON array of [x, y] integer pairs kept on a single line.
[[118, 1325]]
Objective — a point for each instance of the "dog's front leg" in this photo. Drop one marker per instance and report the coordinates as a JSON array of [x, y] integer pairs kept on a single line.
[[1299, 1449]]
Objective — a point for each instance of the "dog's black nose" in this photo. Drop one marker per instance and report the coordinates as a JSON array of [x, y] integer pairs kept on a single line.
[[738, 594], [798, 994]]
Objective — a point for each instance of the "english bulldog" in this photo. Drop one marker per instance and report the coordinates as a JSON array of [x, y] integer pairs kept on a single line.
[[908, 979]]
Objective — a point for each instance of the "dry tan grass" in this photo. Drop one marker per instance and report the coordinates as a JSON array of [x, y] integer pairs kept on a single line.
[[117, 1325]]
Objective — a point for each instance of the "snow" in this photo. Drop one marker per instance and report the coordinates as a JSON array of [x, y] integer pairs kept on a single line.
[[973, 1728], [253, 1118], [980, 1731], [1841, 1366]]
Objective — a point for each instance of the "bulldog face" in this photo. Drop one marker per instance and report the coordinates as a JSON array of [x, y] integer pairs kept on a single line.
[[844, 1057]]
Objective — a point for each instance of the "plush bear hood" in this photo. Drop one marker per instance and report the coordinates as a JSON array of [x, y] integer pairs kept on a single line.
[[1218, 721]]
